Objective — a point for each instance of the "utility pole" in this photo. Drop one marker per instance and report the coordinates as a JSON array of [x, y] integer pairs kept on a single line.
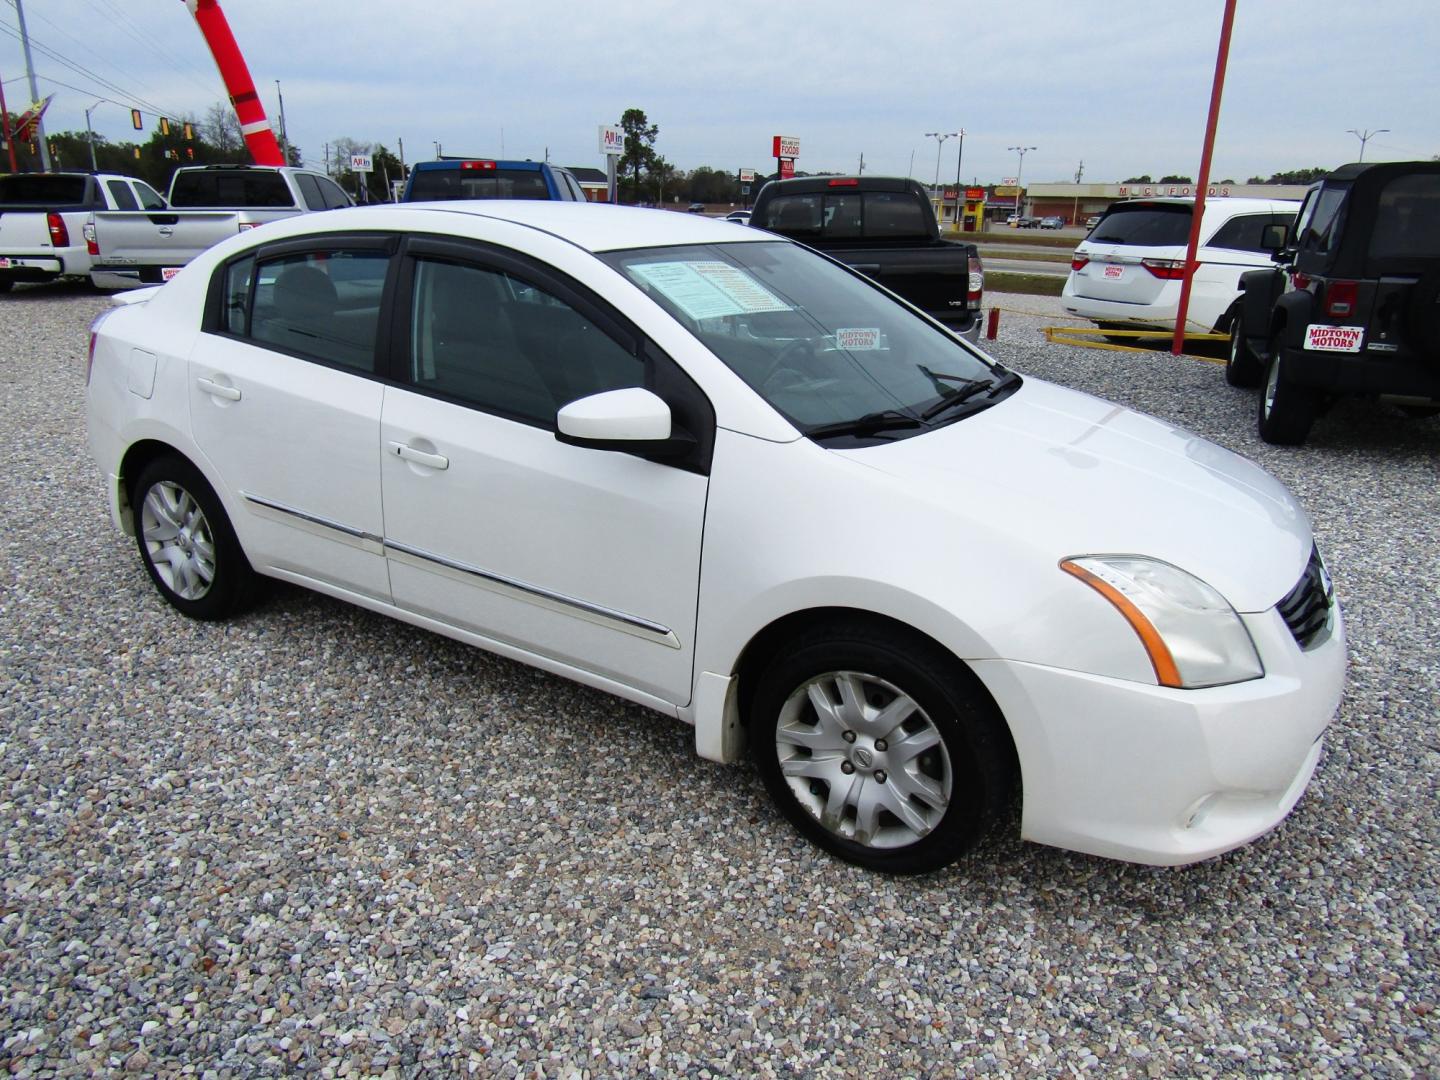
[[90, 134], [1079, 172], [284, 142], [959, 157], [862, 164], [34, 90], [404, 173], [1075, 203], [1364, 136]]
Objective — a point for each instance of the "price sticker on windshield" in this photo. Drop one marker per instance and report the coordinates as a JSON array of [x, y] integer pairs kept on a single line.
[[857, 339]]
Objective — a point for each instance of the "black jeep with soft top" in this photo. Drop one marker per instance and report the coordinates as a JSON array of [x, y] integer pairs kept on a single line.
[[1353, 304]]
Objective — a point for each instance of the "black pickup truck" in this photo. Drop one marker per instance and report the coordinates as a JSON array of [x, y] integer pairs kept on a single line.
[[1353, 304], [885, 228]]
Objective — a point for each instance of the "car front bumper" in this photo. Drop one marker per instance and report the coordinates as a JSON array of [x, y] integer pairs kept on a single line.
[[1156, 775]]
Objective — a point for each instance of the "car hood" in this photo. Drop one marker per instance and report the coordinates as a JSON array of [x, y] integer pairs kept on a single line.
[[1063, 473]]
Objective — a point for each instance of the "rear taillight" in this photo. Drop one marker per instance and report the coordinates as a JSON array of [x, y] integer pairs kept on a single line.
[[977, 280], [1165, 269], [1079, 262], [1340, 298], [59, 235], [91, 247]]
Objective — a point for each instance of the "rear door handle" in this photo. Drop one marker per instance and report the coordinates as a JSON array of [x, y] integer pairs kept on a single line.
[[420, 457], [220, 390]]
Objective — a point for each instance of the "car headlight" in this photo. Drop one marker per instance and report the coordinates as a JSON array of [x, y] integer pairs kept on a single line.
[[1192, 635]]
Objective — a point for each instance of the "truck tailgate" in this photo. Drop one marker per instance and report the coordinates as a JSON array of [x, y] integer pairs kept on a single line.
[[24, 232], [935, 279], [159, 238]]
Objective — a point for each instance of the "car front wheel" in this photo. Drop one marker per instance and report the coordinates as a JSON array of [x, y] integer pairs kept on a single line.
[[186, 542], [1286, 409], [880, 748]]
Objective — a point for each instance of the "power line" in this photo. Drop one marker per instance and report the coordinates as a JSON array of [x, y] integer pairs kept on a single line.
[[85, 72], [188, 69]]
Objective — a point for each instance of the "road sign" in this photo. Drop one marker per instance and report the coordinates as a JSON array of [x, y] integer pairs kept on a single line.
[[362, 163], [744, 189], [1010, 181], [747, 176], [612, 140]]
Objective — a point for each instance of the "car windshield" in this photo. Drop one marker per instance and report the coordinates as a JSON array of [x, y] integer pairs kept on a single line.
[[835, 355]]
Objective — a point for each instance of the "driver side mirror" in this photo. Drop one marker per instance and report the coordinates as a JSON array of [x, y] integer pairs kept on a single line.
[[633, 419], [1272, 237]]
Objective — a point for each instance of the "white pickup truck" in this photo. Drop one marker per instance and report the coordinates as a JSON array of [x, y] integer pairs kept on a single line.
[[44, 219], [207, 204]]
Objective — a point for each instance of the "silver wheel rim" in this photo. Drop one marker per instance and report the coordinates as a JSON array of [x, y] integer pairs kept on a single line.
[[863, 759], [1234, 344], [177, 539], [1272, 380]]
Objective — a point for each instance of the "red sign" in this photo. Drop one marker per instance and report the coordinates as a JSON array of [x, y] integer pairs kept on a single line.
[[974, 193], [786, 146], [787, 168]]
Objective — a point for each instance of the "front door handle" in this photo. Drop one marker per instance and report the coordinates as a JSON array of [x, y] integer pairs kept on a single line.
[[420, 457], [220, 390]]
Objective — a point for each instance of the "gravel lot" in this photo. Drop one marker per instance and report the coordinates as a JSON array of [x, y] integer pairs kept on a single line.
[[318, 840]]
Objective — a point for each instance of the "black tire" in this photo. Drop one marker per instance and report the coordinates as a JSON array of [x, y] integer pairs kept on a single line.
[[1286, 410], [972, 756], [186, 510], [5, 286], [1420, 412], [1242, 366]]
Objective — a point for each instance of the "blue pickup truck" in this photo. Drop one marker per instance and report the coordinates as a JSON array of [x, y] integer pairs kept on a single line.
[[482, 178]]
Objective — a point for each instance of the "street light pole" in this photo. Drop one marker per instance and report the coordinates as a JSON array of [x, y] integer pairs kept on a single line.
[[959, 157], [1020, 180], [939, 137], [1365, 137], [90, 134]]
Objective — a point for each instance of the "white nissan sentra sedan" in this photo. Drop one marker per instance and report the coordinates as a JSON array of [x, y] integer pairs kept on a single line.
[[715, 473]]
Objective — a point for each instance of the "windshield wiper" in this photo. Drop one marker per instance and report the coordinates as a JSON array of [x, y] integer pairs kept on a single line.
[[869, 424], [969, 389]]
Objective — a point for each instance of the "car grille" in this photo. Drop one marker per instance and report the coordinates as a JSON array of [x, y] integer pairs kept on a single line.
[[1306, 607]]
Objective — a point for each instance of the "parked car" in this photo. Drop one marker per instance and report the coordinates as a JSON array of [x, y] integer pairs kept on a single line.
[[740, 217], [1092, 221], [716, 473], [44, 219], [1352, 306], [695, 208], [1127, 273], [884, 227], [1027, 222], [1013, 220], [207, 203], [1052, 222], [484, 178]]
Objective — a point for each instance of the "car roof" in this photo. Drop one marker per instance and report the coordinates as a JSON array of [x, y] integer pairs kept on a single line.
[[1240, 203], [595, 227]]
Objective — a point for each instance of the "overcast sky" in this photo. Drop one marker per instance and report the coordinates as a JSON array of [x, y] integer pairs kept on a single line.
[[1123, 87]]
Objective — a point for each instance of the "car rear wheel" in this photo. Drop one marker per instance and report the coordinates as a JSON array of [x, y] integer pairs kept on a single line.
[[1242, 366], [5, 286], [879, 748], [186, 542], [1286, 409]]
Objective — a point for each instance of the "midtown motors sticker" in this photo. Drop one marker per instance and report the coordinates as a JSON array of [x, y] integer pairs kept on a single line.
[[1334, 338]]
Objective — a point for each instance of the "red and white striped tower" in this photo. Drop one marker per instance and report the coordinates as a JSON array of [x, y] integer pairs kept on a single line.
[[238, 84]]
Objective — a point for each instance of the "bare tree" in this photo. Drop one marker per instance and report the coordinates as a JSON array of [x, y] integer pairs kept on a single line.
[[221, 130]]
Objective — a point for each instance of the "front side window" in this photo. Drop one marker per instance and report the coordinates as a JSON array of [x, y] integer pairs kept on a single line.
[[150, 199], [1321, 219], [321, 305], [335, 197], [490, 339], [828, 350], [310, 191]]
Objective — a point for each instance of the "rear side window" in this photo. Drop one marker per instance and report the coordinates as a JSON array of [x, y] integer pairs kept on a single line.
[[1152, 225], [321, 305], [1244, 233], [235, 188], [429, 184], [22, 190], [123, 196], [1407, 219]]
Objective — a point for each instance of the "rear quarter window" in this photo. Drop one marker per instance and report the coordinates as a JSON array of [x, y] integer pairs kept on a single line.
[[1150, 226], [1407, 219]]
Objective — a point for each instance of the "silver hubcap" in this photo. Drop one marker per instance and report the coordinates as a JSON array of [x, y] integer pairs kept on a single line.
[[863, 759], [178, 541], [1272, 380]]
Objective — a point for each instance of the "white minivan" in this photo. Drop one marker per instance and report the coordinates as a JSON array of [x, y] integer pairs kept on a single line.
[[1127, 273]]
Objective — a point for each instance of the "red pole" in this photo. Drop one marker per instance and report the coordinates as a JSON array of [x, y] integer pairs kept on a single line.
[[1177, 346], [5, 128], [241, 88]]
